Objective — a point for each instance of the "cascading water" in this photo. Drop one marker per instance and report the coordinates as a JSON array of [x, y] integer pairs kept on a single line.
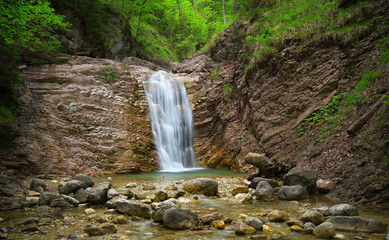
[[171, 121]]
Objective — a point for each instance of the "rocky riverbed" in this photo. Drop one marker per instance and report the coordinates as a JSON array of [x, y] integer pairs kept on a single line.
[[203, 204]]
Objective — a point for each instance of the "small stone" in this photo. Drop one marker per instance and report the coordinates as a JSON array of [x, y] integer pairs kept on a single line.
[[149, 187], [38, 185], [112, 193], [343, 210], [33, 193], [131, 185], [324, 186], [60, 202], [244, 229], [267, 228], [92, 230], [29, 221], [324, 230], [108, 228], [160, 196], [278, 216], [208, 218], [89, 211], [56, 214], [3, 235], [254, 222], [296, 228], [81, 195], [241, 198], [324, 210], [1, 219], [312, 216], [98, 218], [308, 227], [219, 224], [68, 220], [339, 236], [240, 189], [122, 219], [294, 222], [30, 228], [126, 192]]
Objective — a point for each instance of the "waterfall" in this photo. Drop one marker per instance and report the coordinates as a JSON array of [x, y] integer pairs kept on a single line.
[[171, 121]]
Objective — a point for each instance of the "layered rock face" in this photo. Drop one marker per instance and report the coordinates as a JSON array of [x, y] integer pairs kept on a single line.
[[83, 116]]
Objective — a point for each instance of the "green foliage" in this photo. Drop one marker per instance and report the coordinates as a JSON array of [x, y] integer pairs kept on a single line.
[[227, 92], [357, 97], [384, 58], [215, 73], [111, 76]]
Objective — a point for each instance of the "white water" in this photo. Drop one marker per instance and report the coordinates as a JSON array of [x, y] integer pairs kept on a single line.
[[171, 121]]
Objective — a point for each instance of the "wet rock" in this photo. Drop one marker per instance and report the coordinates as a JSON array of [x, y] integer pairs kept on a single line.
[[177, 218], [70, 200], [47, 198], [70, 187], [131, 185], [38, 185], [325, 186], [259, 160], [92, 230], [149, 187], [204, 186], [278, 216], [108, 228], [324, 210], [265, 192], [112, 202], [98, 218], [254, 222], [126, 192], [86, 180], [112, 193], [98, 193], [339, 236], [273, 183], [296, 192], [68, 220], [161, 207], [160, 196], [308, 227], [122, 219], [355, 223], [3, 235], [30, 228], [267, 228], [60, 202], [312, 216], [301, 176], [244, 229], [295, 228], [241, 198], [81, 195], [219, 224], [240, 189], [29, 221], [56, 214], [89, 211], [132, 207], [343, 210], [295, 222], [324, 230], [208, 218]]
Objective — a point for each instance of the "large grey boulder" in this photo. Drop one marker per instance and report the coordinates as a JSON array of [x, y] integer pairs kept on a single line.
[[265, 192], [98, 193], [157, 214], [296, 192], [135, 208], [312, 216], [343, 210], [70, 187], [81, 195], [86, 180], [255, 181], [355, 223], [47, 198], [38, 185], [325, 230], [204, 186], [177, 218], [301, 176]]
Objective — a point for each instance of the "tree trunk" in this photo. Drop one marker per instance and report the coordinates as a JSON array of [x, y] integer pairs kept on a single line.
[[235, 6], [224, 12]]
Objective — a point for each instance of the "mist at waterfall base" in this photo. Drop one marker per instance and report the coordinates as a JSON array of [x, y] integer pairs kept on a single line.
[[171, 122]]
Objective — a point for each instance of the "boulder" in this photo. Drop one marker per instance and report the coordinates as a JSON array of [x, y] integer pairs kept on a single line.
[[112, 193], [131, 185], [47, 198], [265, 192], [294, 222], [244, 229], [108, 228], [296, 192], [135, 208], [308, 227], [312, 216], [98, 193], [38, 185], [325, 230], [92, 230], [126, 192], [70, 187], [208, 218], [81, 195], [86, 180], [204, 186], [160, 196], [343, 210], [278, 216], [177, 218], [325, 186], [60, 203], [71, 200], [355, 223], [157, 214], [219, 224], [263, 163], [240, 189], [273, 183], [121, 219], [301, 176], [241, 198], [112, 202], [254, 222]]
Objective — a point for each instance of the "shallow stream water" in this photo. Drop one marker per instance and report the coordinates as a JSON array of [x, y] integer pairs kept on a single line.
[[138, 228]]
